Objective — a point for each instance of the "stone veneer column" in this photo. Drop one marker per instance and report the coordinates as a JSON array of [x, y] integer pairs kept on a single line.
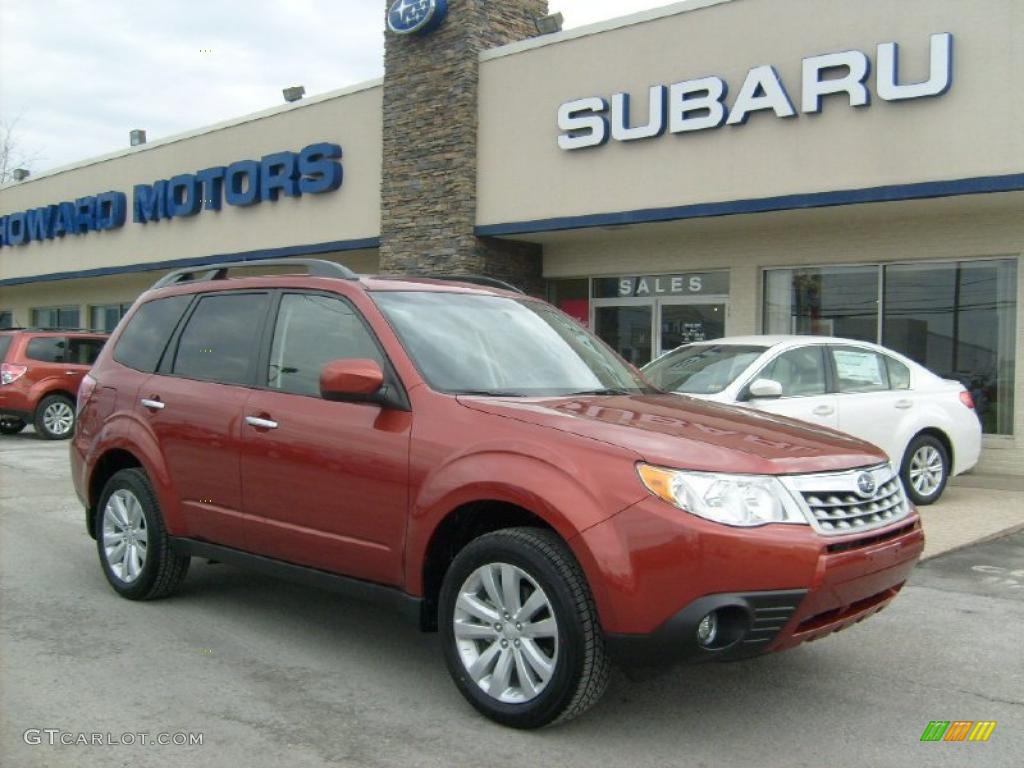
[[428, 190]]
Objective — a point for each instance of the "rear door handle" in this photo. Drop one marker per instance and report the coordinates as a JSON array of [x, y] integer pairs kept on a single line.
[[153, 405], [904, 404], [824, 410], [72, 373], [256, 421]]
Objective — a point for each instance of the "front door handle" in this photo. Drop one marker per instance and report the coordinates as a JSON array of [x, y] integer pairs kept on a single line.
[[824, 410], [72, 373], [904, 404], [256, 421], [153, 405]]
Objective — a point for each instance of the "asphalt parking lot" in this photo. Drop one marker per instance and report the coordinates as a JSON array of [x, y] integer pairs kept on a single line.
[[279, 675]]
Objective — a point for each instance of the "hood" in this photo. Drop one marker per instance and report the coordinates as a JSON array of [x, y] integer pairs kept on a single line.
[[685, 433]]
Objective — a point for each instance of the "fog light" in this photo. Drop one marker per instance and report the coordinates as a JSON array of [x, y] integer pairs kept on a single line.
[[707, 629]]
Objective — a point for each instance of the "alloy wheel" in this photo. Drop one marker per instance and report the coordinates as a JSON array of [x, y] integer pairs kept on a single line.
[[58, 418], [506, 633], [125, 535], [926, 470]]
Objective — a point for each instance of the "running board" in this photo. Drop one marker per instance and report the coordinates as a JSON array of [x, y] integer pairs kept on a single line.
[[410, 607]]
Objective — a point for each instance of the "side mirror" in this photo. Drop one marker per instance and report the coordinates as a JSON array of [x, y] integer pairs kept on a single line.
[[351, 380], [765, 388]]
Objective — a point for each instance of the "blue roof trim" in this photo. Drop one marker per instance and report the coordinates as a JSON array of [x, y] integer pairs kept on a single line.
[[982, 184], [155, 266]]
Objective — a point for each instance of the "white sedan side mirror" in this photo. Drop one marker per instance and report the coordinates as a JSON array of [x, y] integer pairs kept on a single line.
[[766, 388]]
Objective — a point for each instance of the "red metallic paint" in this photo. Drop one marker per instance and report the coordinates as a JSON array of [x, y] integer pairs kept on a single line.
[[350, 377], [360, 490]]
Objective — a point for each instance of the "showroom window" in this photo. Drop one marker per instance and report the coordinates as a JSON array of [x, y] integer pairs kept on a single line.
[[64, 318], [959, 319], [105, 317], [6, 318]]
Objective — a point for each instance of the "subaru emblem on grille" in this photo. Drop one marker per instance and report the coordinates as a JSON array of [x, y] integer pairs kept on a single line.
[[866, 484]]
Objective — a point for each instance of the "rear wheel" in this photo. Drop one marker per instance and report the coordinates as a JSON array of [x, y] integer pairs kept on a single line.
[[133, 546], [519, 629], [925, 469], [55, 417], [11, 426]]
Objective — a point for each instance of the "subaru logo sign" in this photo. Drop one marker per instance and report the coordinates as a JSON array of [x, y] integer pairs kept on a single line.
[[416, 17], [866, 484]]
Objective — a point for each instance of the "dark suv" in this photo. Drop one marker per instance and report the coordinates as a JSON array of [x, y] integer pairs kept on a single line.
[[480, 460], [40, 372]]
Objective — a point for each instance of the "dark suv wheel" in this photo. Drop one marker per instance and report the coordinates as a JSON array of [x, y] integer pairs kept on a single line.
[[11, 426], [519, 629], [133, 545], [55, 417]]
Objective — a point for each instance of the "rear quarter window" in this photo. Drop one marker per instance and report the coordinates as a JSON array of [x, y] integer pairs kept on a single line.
[[142, 343], [5, 344]]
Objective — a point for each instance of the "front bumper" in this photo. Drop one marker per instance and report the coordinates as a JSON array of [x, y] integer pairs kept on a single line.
[[773, 587]]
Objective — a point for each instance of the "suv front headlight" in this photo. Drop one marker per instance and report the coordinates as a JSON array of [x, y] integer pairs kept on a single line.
[[741, 500]]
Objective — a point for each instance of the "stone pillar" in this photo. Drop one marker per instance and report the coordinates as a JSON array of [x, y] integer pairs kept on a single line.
[[428, 191]]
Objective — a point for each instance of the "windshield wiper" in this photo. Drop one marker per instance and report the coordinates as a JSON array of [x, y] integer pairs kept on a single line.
[[489, 393], [607, 391]]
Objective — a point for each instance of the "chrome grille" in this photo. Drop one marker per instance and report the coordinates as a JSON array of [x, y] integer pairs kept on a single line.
[[839, 503]]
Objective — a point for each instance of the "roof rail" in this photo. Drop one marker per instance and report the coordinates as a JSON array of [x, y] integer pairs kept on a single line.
[[315, 267], [490, 282], [53, 329]]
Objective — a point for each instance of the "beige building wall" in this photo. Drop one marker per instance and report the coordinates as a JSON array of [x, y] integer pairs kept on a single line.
[[124, 288], [971, 131], [351, 118], [986, 226]]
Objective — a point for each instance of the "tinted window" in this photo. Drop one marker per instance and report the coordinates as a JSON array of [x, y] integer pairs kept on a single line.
[[310, 332], [899, 374], [142, 342], [219, 340], [702, 369], [801, 372], [859, 370], [83, 351], [5, 344], [47, 349]]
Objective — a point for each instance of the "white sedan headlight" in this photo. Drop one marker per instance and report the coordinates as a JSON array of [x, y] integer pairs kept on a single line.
[[742, 500]]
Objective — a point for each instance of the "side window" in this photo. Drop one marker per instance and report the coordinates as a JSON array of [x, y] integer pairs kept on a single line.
[[801, 371], [220, 339], [859, 370], [47, 349], [899, 374], [310, 332], [142, 342], [83, 351]]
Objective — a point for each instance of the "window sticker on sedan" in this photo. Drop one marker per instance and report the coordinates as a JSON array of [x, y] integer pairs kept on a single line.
[[860, 368]]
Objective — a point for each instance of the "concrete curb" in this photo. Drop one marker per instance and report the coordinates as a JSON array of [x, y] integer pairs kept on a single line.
[[983, 539]]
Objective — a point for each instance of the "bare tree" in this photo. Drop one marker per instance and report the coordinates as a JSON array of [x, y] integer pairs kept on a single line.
[[12, 154]]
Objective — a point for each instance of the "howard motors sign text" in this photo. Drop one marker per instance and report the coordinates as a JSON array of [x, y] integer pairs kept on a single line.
[[312, 170]]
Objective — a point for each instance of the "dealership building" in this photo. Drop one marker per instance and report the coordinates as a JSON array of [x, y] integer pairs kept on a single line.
[[709, 168]]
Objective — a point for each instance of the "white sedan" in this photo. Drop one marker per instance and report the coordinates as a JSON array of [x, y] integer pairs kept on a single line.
[[927, 425]]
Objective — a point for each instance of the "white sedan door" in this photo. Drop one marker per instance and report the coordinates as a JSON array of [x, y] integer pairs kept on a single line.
[[869, 408], [805, 396]]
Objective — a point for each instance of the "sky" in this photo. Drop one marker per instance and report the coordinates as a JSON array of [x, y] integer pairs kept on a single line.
[[77, 76]]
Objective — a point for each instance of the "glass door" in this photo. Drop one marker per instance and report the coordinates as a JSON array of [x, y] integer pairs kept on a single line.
[[682, 321], [627, 327]]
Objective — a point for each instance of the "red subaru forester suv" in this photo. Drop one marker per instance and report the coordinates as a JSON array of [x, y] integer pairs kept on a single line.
[[40, 371], [480, 460]]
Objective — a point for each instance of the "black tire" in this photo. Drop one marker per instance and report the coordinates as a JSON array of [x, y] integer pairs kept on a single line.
[[920, 448], [40, 419], [581, 667], [12, 426], [162, 569]]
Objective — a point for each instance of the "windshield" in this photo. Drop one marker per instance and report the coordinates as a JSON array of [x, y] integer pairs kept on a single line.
[[701, 369], [491, 345]]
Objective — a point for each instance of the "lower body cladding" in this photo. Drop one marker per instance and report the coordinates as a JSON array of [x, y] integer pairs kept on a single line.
[[674, 588]]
